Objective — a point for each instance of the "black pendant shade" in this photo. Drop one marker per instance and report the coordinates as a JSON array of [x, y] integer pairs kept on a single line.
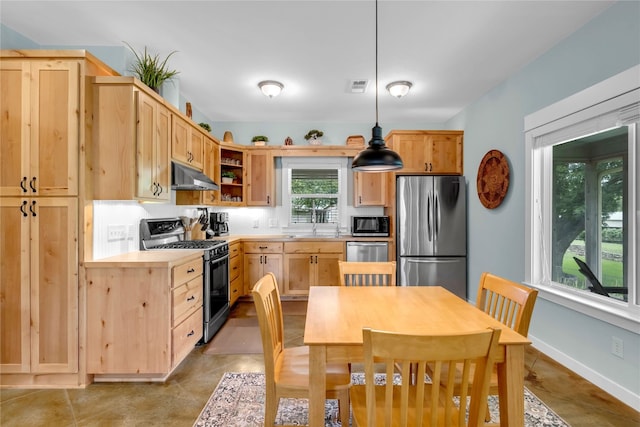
[[377, 157]]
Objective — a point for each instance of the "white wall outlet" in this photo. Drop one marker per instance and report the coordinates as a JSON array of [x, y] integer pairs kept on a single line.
[[116, 232], [617, 347], [256, 223]]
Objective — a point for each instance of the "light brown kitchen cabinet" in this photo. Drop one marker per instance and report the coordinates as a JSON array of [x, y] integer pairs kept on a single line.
[[39, 128], [370, 189], [211, 168], [311, 263], [236, 277], [260, 177], [261, 257], [130, 141], [39, 285], [232, 189], [143, 318], [427, 151], [187, 143]]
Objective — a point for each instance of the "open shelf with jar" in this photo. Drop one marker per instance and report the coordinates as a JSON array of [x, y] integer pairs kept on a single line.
[[232, 163]]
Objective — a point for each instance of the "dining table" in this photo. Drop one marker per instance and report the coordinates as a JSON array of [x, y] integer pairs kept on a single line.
[[337, 314]]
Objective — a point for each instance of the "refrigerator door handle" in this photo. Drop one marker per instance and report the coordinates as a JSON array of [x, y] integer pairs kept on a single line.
[[428, 260], [429, 216], [436, 214]]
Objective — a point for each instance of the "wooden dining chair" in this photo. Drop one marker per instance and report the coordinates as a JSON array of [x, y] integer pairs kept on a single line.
[[509, 302], [354, 273], [287, 369], [424, 403]]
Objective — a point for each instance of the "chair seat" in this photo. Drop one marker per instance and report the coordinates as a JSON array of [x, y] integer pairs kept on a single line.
[[357, 395], [292, 371]]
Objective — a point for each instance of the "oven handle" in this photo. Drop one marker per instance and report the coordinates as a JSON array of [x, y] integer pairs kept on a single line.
[[217, 260]]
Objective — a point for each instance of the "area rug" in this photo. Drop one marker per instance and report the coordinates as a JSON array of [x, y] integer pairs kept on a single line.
[[238, 401], [238, 336]]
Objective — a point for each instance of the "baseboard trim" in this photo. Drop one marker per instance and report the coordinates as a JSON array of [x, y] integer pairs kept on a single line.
[[616, 390]]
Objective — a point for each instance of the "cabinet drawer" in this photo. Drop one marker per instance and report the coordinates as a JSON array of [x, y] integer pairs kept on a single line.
[[234, 250], [263, 247], [187, 271], [185, 298], [235, 267], [313, 247], [236, 290], [185, 336]]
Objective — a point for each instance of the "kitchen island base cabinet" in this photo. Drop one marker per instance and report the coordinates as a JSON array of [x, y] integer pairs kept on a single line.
[[142, 321]]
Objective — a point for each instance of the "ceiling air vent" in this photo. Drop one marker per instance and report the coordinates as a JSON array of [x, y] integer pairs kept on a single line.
[[358, 86]]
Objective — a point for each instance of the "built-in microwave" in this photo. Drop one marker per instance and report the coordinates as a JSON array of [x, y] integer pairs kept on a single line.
[[370, 226]]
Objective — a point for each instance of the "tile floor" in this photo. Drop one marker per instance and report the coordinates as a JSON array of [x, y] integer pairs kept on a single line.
[[179, 401]]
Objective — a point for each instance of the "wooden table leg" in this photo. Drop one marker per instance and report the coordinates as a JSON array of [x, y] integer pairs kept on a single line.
[[317, 384], [511, 386]]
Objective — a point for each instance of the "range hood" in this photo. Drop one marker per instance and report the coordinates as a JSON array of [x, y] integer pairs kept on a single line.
[[186, 178]]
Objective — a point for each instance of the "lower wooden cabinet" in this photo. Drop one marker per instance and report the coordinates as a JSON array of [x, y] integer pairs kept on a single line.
[[311, 264], [236, 277], [143, 319], [261, 257]]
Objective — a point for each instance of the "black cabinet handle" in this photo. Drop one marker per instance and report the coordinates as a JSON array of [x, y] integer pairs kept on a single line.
[[191, 270], [24, 203], [268, 200], [32, 184], [23, 184], [191, 298], [31, 208], [159, 190], [191, 333]]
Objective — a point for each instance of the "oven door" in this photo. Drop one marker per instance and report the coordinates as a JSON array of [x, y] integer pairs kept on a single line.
[[216, 295]]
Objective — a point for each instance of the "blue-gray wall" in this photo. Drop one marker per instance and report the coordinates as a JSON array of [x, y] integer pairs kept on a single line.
[[604, 47]]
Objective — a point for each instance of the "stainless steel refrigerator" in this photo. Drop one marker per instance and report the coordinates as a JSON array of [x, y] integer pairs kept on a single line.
[[431, 232]]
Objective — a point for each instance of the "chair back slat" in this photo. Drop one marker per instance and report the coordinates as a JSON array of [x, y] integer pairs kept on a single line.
[[508, 302], [420, 403], [266, 298], [353, 273]]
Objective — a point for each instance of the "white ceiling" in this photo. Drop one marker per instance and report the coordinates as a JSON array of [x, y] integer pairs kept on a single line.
[[452, 51]]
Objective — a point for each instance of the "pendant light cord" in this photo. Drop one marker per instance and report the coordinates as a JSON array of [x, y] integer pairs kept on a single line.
[[376, 62]]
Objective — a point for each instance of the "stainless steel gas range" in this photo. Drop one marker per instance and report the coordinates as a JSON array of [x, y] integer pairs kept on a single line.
[[168, 233]]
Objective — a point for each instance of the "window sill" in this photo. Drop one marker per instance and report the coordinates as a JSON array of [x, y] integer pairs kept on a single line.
[[618, 313]]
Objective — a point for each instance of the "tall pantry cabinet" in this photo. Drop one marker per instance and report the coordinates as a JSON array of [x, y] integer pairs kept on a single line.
[[42, 207]]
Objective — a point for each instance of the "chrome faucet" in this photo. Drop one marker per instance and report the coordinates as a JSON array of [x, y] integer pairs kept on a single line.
[[314, 228]]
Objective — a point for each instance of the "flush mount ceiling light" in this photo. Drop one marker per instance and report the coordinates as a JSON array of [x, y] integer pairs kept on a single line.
[[377, 157], [271, 88], [399, 88]]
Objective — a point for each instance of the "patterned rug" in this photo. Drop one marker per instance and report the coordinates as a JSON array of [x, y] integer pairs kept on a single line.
[[238, 401]]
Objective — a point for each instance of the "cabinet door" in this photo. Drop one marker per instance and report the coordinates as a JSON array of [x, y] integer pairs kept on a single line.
[[15, 351], [411, 148], [180, 140], [39, 131], [195, 149], [54, 114], [272, 263], [299, 272], [370, 189], [327, 269], [14, 129], [161, 154], [54, 285], [445, 154], [252, 270], [211, 168], [260, 188]]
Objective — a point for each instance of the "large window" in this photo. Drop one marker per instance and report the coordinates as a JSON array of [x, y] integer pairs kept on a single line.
[[582, 204], [315, 193]]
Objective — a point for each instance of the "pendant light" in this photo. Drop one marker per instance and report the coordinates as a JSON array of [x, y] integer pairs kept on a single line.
[[377, 157]]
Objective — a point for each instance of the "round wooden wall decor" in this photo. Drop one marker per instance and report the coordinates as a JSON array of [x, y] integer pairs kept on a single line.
[[493, 179]]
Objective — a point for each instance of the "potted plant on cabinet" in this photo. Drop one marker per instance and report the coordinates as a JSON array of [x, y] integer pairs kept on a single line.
[[313, 136], [150, 69], [228, 177], [259, 140]]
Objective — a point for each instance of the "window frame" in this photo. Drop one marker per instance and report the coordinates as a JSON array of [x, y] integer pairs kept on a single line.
[[611, 103], [340, 164]]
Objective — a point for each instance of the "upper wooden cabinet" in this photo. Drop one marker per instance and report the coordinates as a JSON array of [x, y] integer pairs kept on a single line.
[[232, 160], [370, 189], [260, 179], [211, 168], [130, 141], [428, 152], [187, 143], [39, 128]]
